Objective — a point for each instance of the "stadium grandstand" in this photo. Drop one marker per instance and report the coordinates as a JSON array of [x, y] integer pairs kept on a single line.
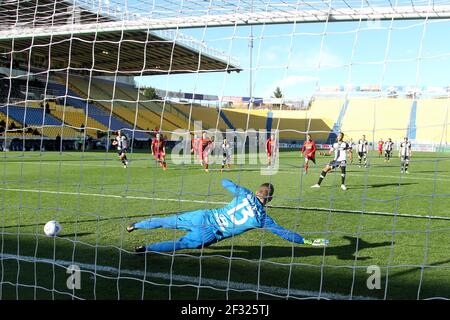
[[81, 93]]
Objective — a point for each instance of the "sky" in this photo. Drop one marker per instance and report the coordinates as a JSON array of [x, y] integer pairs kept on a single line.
[[300, 57]]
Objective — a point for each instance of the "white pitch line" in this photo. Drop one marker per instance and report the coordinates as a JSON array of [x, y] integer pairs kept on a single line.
[[108, 163], [110, 196], [221, 203], [397, 177], [232, 285], [350, 174], [282, 171]]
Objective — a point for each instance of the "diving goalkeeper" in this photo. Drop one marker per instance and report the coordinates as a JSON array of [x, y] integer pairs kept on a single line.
[[205, 227]]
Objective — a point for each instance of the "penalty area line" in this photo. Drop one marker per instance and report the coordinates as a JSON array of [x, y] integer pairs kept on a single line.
[[110, 196], [329, 210], [195, 281]]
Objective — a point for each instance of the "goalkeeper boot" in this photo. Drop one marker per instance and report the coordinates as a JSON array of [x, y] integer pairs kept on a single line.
[[131, 228], [343, 187], [316, 242], [316, 186], [140, 249]]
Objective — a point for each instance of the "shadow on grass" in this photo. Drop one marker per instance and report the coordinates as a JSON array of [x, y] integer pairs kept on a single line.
[[99, 283], [79, 234], [381, 185], [343, 252], [431, 171]]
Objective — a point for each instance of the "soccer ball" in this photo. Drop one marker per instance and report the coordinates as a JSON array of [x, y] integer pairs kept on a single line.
[[52, 228]]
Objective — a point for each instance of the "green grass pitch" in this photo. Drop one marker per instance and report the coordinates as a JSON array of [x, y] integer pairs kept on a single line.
[[94, 199]]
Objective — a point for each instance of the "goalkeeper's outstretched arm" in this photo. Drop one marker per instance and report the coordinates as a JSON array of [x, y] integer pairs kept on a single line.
[[284, 233], [291, 236], [234, 188]]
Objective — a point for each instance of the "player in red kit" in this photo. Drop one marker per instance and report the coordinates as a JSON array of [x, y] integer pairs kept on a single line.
[[380, 148], [159, 150], [309, 151], [206, 144], [196, 148], [270, 149]]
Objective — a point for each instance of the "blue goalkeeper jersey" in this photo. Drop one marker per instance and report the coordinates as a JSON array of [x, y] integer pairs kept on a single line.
[[243, 213]]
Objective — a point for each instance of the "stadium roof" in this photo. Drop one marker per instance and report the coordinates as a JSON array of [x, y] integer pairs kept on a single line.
[[126, 37], [107, 52]]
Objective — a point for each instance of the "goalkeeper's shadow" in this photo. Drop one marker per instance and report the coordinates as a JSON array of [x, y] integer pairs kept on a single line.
[[342, 252]]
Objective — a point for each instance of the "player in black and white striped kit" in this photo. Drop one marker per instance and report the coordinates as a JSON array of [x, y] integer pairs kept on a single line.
[[388, 147], [363, 148], [121, 141], [350, 146], [226, 153], [340, 148], [405, 155]]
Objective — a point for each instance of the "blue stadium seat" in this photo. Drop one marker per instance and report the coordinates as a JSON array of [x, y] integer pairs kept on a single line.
[[93, 111], [30, 116]]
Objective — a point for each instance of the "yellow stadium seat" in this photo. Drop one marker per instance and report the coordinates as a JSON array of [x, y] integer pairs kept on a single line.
[[432, 120], [124, 100], [376, 118], [75, 118]]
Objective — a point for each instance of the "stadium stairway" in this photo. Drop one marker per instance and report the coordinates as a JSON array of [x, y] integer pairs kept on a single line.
[[72, 98], [125, 104], [189, 123], [338, 124], [160, 119], [411, 131], [209, 117], [45, 123], [174, 115], [76, 118], [225, 119], [292, 125], [163, 113], [246, 119], [100, 113]]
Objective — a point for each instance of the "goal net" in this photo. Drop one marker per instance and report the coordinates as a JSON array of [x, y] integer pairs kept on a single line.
[[203, 91]]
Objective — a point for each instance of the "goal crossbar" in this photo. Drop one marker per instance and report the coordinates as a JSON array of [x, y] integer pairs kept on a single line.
[[237, 19]]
